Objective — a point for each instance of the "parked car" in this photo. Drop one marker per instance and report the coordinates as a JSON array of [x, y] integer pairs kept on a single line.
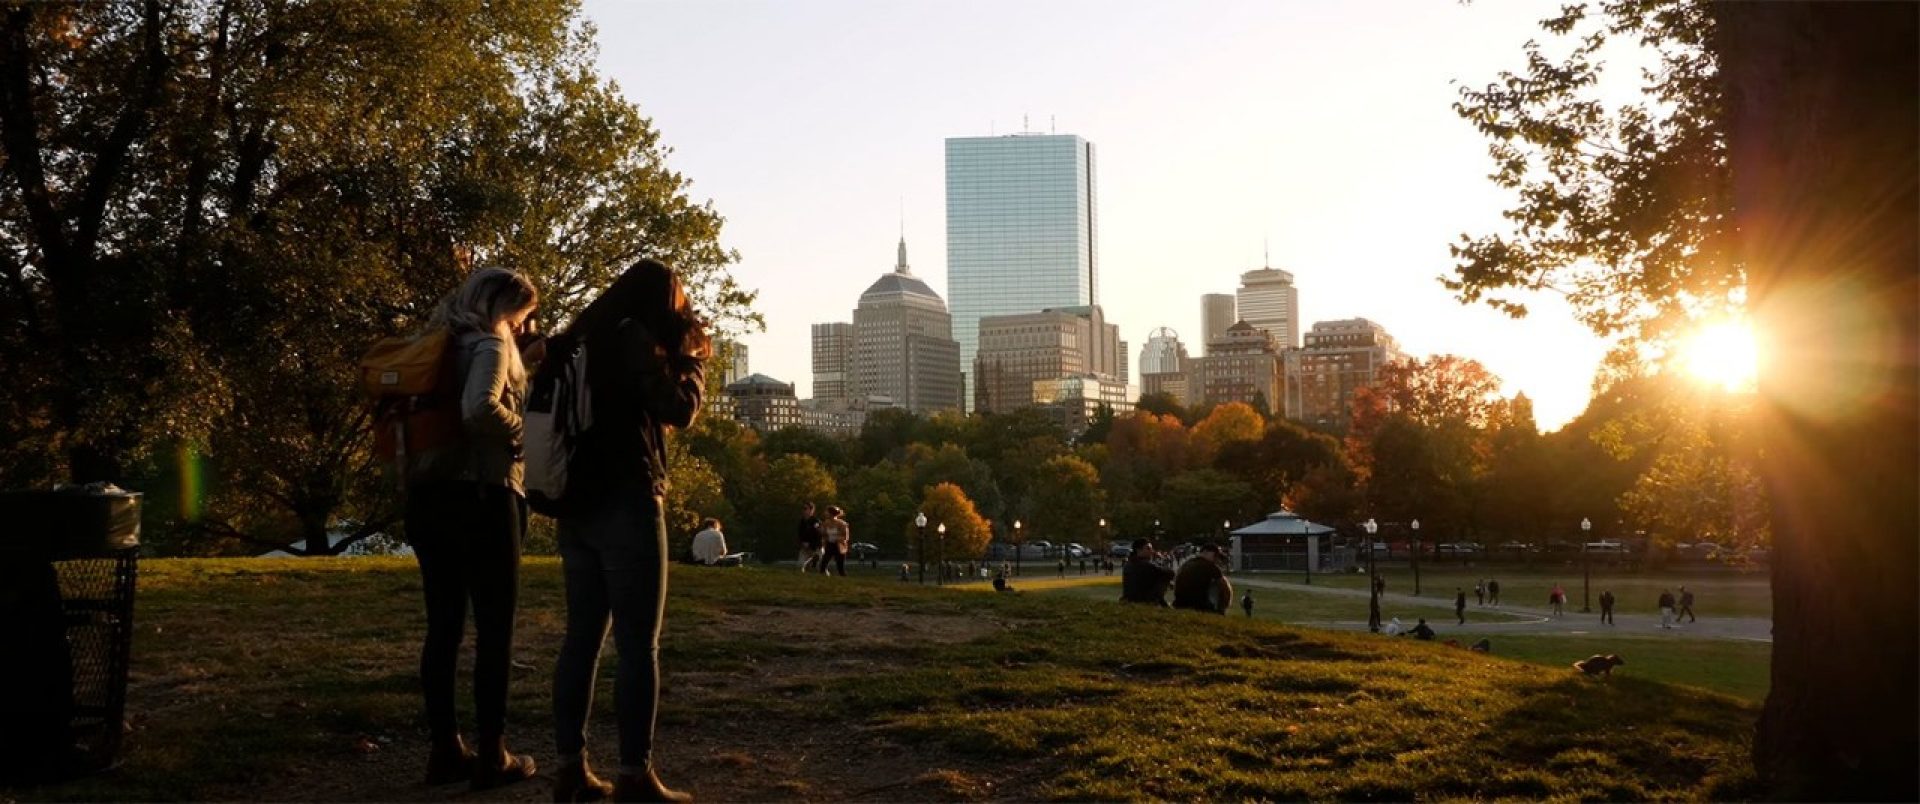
[[1076, 550], [861, 551], [1118, 550], [1460, 548]]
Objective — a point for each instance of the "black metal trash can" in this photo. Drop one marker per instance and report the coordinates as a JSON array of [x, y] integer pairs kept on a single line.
[[68, 561]]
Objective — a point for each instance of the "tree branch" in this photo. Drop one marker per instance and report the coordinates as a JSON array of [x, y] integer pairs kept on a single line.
[[223, 529], [111, 162], [20, 136]]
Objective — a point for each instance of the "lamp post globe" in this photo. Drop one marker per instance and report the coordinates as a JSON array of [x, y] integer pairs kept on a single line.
[[1415, 524], [942, 549], [920, 522], [1373, 577], [1019, 554], [1586, 567]]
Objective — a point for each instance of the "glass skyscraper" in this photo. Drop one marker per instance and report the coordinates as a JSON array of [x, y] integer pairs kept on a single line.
[[1021, 222]]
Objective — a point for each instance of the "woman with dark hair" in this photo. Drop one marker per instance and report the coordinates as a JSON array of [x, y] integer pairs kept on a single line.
[[466, 514], [646, 357], [835, 538]]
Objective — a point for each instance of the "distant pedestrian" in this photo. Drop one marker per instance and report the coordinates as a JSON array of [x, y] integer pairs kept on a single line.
[[1379, 584], [1686, 606], [1557, 598], [906, 573], [1606, 606], [1666, 609], [1480, 593], [809, 538], [1063, 568], [1493, 592], [1460, 604], [1246, 603], [835, 537]]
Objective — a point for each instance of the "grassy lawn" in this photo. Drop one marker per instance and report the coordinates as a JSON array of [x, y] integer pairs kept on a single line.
[[1734, 667], [294, 680], [1718, 593]]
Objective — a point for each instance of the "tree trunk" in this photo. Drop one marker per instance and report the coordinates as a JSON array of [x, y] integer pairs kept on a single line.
[[1822, 128]]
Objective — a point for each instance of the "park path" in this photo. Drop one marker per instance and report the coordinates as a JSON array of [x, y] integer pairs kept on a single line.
[[1539, 620]]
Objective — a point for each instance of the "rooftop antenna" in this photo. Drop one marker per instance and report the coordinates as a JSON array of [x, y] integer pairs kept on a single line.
[[1053, 125], [1266, 252], [1024, 125], [903, 217]]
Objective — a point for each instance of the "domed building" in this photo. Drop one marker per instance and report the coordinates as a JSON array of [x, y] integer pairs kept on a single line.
[[903, 346]]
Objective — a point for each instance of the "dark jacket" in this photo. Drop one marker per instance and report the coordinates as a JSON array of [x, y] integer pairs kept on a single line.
[[1143, 581], [638, 391]]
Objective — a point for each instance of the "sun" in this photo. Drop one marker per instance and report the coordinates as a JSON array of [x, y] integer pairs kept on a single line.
[[1724, 354]]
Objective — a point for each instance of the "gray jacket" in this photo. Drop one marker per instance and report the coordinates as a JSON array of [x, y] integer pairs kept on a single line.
[[493, 393]]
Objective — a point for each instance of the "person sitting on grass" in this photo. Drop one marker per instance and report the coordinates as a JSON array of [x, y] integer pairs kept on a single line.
[[1000, 581], [1144, 581], [1421, 631], [1202, 584], [710, 547]]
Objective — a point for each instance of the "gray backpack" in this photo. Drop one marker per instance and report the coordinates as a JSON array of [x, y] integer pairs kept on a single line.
[[558, 414]]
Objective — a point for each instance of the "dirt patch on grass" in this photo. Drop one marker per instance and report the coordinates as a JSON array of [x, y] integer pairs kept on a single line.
[[753, 734]]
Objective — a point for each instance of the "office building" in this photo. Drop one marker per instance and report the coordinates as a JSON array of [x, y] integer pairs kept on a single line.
[[1269, 301], [764, 404], [1016, 351], [1074, 401], [1339, 358], [1216, 314], [903, 345], [1021, 230], [1163, 354], [1173, 384], [1242, 365], [833, 361]]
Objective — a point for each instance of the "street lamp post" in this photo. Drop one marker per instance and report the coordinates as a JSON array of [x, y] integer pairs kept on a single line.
[[1019, 555], [1416, 557], [920, 521], [942, 530], [1373, 578], [1106, 542], [1586, 566]]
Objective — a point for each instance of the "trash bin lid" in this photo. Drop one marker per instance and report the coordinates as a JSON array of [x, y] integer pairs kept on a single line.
[[69, 523]]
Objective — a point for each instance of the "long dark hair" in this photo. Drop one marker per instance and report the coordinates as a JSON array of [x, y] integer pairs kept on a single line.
[[651, 295]]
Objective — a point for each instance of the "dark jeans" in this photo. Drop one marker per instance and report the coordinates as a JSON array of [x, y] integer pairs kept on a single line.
[[466, 537], [830, 559], [616, 571]]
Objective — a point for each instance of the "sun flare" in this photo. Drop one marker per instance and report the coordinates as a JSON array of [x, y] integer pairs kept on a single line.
[[1724, 354]]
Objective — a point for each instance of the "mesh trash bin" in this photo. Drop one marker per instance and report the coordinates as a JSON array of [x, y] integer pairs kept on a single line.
[[68, 561]]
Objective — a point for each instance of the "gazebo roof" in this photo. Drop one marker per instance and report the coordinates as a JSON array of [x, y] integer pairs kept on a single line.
[[1283, 523]]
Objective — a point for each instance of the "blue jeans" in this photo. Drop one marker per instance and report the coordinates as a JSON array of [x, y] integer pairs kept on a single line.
[[614, 560]]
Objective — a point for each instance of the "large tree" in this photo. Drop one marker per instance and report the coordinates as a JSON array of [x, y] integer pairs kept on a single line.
[[1769, 169], [1823, 133], [210, 207]]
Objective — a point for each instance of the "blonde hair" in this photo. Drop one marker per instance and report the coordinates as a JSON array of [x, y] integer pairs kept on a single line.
[[488, 295]]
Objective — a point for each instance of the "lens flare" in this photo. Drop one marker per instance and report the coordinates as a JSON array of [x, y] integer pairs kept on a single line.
[[1724, 354], [192, 481]]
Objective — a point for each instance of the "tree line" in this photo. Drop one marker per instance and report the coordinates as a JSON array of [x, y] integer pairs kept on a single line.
[[1432, 440]]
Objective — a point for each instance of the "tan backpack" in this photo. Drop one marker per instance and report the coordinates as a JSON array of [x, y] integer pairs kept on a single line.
[[416, 408]]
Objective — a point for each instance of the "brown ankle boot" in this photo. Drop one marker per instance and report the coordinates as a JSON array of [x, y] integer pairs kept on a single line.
[[576, 782], [646, 787], [449, 761], [496, 766]]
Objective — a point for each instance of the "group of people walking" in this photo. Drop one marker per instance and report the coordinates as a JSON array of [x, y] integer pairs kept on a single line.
[[466, 517], [824, 542]]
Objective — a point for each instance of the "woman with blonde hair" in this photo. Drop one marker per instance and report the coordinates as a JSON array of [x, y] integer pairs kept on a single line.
[[466, 514]]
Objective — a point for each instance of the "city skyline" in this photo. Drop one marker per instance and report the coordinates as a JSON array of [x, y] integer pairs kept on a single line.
[[1218, 130]]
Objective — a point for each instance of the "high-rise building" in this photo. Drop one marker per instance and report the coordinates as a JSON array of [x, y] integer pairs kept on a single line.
[[1163, 354], [1074, 401], [833, 361], [732, 356], [1174, 384], [1269, 301], [1216, 314], [1018, 351], [764, 404], [903, 346], [1243, 365], [1021, 225], [1340, 357]]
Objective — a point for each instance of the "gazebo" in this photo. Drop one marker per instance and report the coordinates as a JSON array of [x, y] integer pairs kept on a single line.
[[1282, 541]]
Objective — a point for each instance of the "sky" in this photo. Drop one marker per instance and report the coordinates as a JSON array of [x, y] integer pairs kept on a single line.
[[1316, 137]]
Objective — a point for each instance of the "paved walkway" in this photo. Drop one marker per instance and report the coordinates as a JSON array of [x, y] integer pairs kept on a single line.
[[1537, 620]]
